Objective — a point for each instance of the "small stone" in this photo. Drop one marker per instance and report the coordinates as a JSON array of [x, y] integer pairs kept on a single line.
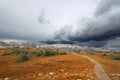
[[61, 70], [7, 79], [51, 73], [79, 79], [115, 74], [92, 78], [40, 74]]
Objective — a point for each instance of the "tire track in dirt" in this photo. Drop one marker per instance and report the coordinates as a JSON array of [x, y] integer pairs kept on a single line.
[[99, 71]]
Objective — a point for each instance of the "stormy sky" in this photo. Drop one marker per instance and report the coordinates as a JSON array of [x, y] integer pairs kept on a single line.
[[84, 22]]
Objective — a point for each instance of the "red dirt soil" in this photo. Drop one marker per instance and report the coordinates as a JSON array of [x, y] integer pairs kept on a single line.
[[60, 67]]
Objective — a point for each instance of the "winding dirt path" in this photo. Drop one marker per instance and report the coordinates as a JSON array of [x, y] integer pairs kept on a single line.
[[99, 71]]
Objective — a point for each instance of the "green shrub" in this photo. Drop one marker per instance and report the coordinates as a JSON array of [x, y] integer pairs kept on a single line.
[[77, 51], [8, 54], [5, 54], [17, 52], [23, 57], [50, 53], [115, 57], [37, 54], [62, 53], [104, 54]]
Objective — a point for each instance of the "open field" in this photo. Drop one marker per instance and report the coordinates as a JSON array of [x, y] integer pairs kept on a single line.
[[58, 67], [63, 66]]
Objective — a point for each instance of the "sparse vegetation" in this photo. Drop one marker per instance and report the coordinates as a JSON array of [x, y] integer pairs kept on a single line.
[[104, 54], [63, 66], [115, 57], [77, 51], [16, 52], [62, 53], [59, 64], [23, 57], [37, 54], [5, 54], [25, 54], [50, 53]]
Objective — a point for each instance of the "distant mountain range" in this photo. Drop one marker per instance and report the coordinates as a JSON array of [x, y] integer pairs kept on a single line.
[[16, 44], [38, 44]]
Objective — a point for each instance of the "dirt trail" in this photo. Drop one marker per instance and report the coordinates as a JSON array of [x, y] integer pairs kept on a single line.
[[99, 71]]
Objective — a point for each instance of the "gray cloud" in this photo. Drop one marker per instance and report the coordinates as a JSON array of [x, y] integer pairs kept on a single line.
[[102, 27], [25, 19], [105, 6], [22, 20], [16, 27], [42, 17]]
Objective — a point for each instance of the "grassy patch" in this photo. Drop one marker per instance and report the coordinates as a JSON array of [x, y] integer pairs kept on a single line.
[[16, 52], [104, 54], [47, 53], [38, 54], [23, 57], [77, 51], [50, 53], [62, 53], [115, 57]]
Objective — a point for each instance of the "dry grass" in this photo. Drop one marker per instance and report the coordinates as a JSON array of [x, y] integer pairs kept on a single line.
[[60, 67]]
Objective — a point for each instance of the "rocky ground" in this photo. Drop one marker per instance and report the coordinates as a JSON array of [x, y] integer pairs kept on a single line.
[[60, 67]]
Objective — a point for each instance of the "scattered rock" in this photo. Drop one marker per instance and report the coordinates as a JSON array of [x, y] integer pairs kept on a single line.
[[61, 70], [79, 79], [92, 78], [51, 73], [87, 69], [115, 74], [7, 79], [40, 74]]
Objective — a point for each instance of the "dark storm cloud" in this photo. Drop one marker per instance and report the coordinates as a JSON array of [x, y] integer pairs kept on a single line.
[[105, 6], [22, 20], [104, 26], [25, 19]]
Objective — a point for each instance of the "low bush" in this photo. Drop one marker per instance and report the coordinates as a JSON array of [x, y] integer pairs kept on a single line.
[[62, 53], [77, 51], [50, 53], [37, 54], [104, 54], [5, 54], [17, 52], [115, 57], [23, 57]]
